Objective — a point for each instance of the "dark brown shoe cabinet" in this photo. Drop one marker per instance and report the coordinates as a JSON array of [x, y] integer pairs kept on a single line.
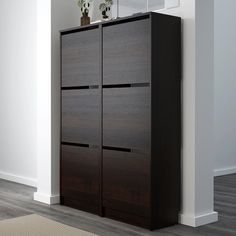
[[120, 119]]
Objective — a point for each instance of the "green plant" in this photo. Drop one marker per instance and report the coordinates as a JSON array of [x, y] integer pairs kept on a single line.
[[110, 2], [84, 6], [105, 7]]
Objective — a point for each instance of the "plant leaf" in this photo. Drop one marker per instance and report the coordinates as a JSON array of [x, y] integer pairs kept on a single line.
[[102, 7]]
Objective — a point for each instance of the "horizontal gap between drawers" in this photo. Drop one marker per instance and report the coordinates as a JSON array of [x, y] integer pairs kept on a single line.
[[76, 144], [130, 150], [85, 145], [80, 87], [117, 149], [134, 85], [110, 148]]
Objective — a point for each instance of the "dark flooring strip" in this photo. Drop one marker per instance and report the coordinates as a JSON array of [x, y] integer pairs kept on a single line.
[[17, 200]]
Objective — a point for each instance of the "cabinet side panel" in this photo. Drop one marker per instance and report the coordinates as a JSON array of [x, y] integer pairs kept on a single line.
[[166, 119]]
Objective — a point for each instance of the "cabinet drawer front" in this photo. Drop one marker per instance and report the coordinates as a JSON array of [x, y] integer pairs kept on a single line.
[[126, 53], [80, 174], [126, 118], [81, 120], [126, 182], [80, 58]]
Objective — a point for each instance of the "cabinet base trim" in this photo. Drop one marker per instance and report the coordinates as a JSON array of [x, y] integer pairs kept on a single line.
[[47, 199], [196, 221]]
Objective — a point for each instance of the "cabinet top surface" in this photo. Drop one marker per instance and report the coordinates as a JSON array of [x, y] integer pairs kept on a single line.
[[133, 17]]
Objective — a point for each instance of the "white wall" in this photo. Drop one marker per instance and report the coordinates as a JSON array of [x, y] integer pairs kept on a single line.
[[52, 16], [198, 93], [65, 14], [225, 87], [18, 91], [204, 112], [44, 101]]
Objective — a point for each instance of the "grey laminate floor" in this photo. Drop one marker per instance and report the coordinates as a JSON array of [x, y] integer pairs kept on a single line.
[[16, 200]]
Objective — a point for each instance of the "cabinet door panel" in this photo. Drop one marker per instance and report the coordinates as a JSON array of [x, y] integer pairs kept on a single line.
[[80, 181], [80, 58], [126, 53], [126, 182], [126, 118], [81, 116]]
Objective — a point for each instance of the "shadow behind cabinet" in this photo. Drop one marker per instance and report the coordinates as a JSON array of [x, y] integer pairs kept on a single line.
[[120, 119]]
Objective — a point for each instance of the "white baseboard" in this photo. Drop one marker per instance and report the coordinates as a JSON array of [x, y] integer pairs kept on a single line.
[[225, 171], [196, 221], [47, 199], [18, 179]]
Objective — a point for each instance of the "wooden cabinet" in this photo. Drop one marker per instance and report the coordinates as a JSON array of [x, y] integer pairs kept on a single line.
[[80, 182], [126, 182], [80, 58], [126, 52], [127, 118], [81, 116], [120, 124]]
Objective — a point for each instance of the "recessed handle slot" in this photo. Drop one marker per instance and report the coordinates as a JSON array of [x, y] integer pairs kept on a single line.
[[117, 86], [85, 145], [134, 85], [76, 144], [80, 87], [117, 149]]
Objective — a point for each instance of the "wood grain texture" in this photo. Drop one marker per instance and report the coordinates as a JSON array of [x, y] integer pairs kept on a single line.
[[127, 118], [126, 182], [80, 183], [126, 57], [80, 58], [138, 126], [81, 116]]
